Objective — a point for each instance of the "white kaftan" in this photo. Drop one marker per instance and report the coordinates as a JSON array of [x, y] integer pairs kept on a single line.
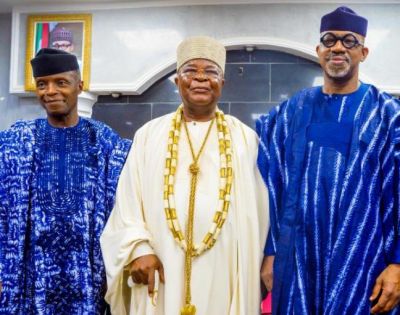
[[225, 279]]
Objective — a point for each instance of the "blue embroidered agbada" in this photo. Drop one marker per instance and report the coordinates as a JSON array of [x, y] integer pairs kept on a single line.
[[57, 189], [331, 164]]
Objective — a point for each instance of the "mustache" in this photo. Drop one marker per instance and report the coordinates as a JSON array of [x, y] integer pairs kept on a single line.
[[341, 55]]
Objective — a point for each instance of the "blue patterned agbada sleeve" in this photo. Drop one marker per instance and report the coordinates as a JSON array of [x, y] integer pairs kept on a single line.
[[391, 185], [2, 215], [117, 160], [3, 201], [4, 168], [272, 130]]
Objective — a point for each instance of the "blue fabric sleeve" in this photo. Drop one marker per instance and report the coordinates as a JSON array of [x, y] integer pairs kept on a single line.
[[390, 204], [271, 132], [269, 249], [2, 214], [395, 252], [395, 259], [2, 235], [117, 158]]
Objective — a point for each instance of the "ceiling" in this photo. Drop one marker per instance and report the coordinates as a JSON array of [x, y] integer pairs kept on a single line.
[[7, 5]]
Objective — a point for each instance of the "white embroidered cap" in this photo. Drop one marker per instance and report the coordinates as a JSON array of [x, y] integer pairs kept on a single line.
[[201, 47]]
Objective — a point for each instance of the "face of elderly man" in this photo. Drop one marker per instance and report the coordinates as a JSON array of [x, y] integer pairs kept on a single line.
[[200, 83]]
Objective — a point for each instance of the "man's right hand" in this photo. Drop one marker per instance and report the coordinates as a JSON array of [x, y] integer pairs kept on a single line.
[[267, 272], [142, 271]]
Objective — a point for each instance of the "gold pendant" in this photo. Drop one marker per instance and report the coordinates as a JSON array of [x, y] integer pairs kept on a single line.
[[188, 309], [194, 168]]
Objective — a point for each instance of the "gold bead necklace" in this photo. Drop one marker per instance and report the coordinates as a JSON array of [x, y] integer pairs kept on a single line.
[[226, 175]]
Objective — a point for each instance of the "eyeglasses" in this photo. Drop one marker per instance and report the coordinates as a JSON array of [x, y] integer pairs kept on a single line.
[[61, 46], [209, 73], [348, 41]]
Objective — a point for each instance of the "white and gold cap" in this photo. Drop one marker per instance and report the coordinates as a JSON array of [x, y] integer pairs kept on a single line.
[[201, 47]]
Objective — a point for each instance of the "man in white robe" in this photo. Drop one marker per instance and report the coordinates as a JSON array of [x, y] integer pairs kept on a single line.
[[138, 240]]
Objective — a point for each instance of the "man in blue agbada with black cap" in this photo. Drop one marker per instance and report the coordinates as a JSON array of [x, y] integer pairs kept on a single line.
[[330, 156], [58, 178]]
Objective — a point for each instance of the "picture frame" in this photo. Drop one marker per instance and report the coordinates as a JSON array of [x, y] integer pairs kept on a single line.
[[69, 32]]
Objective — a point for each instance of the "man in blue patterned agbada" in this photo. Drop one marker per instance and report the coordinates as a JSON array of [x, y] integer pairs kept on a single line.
[[58, 178], [330, 156]]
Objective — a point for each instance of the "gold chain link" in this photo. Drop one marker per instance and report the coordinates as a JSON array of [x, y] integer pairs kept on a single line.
[[194, 170]]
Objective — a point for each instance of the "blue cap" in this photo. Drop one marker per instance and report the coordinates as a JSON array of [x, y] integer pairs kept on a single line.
[[344, 19]]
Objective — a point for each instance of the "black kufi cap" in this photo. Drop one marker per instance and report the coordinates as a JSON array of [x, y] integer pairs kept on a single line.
[[344, 19], [50, 61]]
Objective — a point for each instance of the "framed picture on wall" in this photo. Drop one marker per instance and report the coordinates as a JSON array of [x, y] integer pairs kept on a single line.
[[69, 32]]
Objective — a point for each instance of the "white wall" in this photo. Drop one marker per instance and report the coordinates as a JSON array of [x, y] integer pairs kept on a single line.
[[132, 47], [12, 107]]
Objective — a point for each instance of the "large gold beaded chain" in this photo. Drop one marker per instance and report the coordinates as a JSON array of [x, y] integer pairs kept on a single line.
[[225, 185]]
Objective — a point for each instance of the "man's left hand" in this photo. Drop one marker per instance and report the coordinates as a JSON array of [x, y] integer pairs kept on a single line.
[[389, 283]]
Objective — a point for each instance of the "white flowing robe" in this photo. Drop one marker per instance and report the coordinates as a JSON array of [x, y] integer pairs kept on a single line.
[[225, 279]]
